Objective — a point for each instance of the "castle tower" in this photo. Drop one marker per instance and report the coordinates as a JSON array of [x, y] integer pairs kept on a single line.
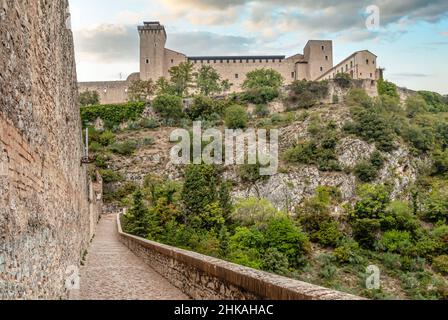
[[319, 55], [152, 50]]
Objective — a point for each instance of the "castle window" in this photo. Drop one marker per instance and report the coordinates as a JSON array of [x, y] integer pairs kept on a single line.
[[208, 61], [367, 61], [221, 61], [247, 60], [293, 75], [228, 61], [172, 60], [321, 69], [241, 60], [323, 48], [236, 76], [346, 67], [261, 61], [254, 61], [234, 61], [147, 61], [371, 75], [373, 61], [326, 58], [351, 64], [273, 60], [267, 60]]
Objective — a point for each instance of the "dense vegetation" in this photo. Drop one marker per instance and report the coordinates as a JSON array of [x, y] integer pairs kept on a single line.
[[323, 239]]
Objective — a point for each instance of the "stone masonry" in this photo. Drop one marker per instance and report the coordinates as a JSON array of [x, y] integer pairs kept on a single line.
[[45, 221]]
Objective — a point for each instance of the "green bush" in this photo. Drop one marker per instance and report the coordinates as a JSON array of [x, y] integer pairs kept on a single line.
[[348, 252], [396, 242], [169, 107], [113, 114], [262, 110], [435, 207], [263, 78], [343, 80], [441, 264], [254, 211], [440, 163], [435, 102], [357, 97], [366, 171], [126, 148], [203, 108], [107, 138], [149, 123], [236, 117], [89, 98], [366, 231], [261, 95], [110, 176], [387, 88], [283, 235], [306, 94], [415, 105], [275, 262], [329, 234]]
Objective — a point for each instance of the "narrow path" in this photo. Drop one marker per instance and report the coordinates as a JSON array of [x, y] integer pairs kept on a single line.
[[113, 272]]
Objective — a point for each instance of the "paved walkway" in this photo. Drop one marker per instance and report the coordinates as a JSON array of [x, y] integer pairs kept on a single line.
[[113, 272]]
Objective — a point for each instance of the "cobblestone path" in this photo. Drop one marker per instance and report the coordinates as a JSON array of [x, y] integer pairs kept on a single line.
[[113, 272]]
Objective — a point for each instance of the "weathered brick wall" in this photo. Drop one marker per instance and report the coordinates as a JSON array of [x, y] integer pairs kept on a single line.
[[45, 221], [206, 278]]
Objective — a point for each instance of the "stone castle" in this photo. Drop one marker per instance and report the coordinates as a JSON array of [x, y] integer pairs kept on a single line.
[[315, 64]]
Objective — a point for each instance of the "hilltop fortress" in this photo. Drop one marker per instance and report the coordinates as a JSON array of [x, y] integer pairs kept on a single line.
[[315, 64]]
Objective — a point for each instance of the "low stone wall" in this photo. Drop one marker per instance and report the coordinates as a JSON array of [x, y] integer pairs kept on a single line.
[[206, 278]]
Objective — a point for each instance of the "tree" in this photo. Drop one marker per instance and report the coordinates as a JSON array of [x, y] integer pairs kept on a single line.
[[263, 78], [387, 88], [136, 220], [140, 91], [163, 87], [236, 117], [169, 107], [89, 98], [208, 81], [415, 105], [182, 77]]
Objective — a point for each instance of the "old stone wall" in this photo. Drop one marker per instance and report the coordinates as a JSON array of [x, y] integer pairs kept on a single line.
[[45, 222], [110, 92], [206, 278]]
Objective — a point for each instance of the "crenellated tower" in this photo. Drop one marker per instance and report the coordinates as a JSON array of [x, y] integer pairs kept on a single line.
[[152, 50]]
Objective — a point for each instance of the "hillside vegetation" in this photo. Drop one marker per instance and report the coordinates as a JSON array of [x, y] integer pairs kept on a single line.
[[362, 180]]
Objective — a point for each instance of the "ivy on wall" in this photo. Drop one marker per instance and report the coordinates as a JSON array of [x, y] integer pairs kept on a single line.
[[113, 114]]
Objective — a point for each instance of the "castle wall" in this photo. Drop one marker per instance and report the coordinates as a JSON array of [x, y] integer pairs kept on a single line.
[[319, 55], [360, 65], [110, 92], [172, 59], [235, 70], [45, 222]]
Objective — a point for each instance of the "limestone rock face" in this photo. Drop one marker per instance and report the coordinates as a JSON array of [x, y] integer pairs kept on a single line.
[[45, 223]]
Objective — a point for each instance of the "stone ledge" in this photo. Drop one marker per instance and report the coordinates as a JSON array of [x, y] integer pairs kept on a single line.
[[228, 280]]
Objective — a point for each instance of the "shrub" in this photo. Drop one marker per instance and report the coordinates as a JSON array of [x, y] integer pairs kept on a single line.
[[415, 105], [136, 220], [440, 163], [169, 107], [261, 95], [435, 207], [95, 147], [236, 117], [107, 138], [89, 98], [263, 78], [149, 123], [329, 234], [435, 101], [422, 139], [250, 173], [113, 114], [387, 88], [202, 108], [357, 97], [126, 148], [366, 171], [441, 264], [283, 235], [262, 110], [306, 94], [254, 211], [110, 176], [275, 262], [399, 216], [347, 252], [396, 242], [365, 232], [343, 80]]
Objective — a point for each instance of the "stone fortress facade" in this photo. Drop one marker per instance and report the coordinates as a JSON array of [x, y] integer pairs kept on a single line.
[[315, 64]]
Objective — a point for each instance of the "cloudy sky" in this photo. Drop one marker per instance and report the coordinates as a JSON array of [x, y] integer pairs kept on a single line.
[[411, 42]]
